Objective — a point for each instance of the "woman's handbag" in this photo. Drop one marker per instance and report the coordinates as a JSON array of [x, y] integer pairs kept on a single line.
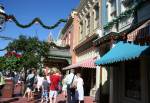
[[73, 85], [59, 87]]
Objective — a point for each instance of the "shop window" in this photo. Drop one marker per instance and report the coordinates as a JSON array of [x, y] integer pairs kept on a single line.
[[132, 80], [113, 8]]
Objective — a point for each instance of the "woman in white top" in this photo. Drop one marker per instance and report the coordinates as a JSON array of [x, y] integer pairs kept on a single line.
[[80, 90], [64, 87], [39, 81]]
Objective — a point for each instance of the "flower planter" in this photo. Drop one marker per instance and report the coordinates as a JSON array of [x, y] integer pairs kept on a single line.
[[8, 89]]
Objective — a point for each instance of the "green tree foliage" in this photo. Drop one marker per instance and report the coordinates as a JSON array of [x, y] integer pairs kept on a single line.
[[10, 63], [31, 50]]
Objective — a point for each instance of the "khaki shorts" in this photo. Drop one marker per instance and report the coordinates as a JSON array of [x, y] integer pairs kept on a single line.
[[53, 94]]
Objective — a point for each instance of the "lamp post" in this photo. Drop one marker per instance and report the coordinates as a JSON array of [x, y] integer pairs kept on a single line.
[[2, 17]]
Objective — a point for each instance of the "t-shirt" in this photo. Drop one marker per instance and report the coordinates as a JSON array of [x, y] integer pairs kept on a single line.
[[69, 78], [39, 80], [48, 79], [54, 81], [45, 85]]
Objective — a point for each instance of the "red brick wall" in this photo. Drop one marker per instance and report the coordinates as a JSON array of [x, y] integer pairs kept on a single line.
[[75, 35]]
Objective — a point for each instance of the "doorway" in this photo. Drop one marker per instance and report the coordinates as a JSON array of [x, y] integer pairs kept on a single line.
[[148, 85], [89, 78]]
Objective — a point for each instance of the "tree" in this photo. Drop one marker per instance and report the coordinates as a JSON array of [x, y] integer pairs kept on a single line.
[[10, 61], [31, 49]]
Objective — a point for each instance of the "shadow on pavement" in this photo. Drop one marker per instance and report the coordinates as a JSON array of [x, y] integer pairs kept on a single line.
[[62, 101], [10, 100]]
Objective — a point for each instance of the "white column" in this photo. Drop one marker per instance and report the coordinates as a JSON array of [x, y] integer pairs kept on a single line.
[[97, 76]]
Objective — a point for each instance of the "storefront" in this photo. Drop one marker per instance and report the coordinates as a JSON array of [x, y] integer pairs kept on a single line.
[[58, 57], [128, 62], [87, 69]]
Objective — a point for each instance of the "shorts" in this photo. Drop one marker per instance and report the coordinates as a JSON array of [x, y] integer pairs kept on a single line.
[[28, 89], [45, 93], [53, 93]]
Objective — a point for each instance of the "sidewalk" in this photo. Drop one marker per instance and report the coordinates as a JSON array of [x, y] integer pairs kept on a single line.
[[87, 99], [19, 99]]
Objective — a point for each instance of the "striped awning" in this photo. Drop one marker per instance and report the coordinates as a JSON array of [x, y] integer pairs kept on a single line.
[[123, 51], [142, 33], [89, 63]]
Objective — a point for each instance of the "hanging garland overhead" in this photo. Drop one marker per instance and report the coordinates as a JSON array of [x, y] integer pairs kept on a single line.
[[36, 20], [3, 49], [6, 38]]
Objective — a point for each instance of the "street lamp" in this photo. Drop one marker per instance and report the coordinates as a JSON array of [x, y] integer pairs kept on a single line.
[[2, 17]]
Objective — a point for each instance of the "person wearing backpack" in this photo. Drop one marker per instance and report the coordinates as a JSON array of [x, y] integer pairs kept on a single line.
[[69, 80], [31, 78]]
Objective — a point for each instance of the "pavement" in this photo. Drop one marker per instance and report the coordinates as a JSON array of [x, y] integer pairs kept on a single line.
[[17, 98]]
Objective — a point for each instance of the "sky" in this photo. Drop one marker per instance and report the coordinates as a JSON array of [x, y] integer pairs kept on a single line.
[[49, 11]]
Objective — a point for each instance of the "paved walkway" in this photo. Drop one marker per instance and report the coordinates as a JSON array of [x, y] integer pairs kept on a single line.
[[19, 99]]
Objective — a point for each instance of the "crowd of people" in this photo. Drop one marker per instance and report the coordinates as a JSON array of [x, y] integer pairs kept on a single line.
[[50, 84]]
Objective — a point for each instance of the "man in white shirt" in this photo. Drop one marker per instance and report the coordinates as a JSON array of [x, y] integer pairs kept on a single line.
[[69, 80]]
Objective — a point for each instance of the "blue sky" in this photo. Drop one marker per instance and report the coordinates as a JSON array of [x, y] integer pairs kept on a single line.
[[49, 11]]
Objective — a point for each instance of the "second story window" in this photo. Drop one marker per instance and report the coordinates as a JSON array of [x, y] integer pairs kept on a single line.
[[84, 27], [113, 8], [88, 23], [96, 8], [69, 38], [97, 12], [81, 29], [127, 3], [93, 21]]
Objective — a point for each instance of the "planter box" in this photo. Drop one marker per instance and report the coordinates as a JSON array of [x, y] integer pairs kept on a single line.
[[8, 89]]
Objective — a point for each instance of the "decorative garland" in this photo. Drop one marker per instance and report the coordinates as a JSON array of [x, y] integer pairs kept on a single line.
[[35, 20], [3, 49], [123, 15], [6, 38]]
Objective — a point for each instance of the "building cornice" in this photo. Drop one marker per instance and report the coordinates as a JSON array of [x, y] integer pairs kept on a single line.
[[52, 44], [84, 3], [67, 25], [88, 43]]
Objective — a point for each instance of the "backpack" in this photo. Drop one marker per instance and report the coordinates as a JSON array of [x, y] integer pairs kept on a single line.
[[30, 81]]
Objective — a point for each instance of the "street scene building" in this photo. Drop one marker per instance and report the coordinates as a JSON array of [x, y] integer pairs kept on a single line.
[[107, 43], [126, 39], [84, 30]]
